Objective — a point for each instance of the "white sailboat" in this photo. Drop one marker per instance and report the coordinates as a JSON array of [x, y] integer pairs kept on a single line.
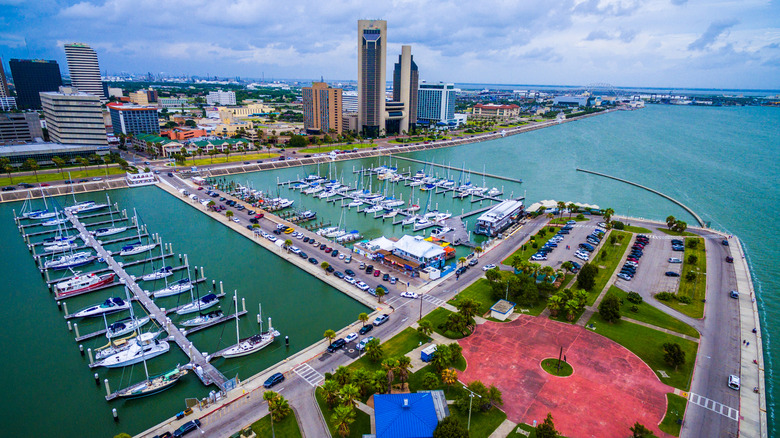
[[109, 231], [125, 326], [144, 346], [163, 272], [138, 247], [111, 305], [251, 344]]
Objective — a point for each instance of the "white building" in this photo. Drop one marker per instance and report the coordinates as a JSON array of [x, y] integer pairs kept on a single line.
[[498, 218], [220, 97], [349, 101], [420, 251], [74, 117], [436, 104], [84, 70]]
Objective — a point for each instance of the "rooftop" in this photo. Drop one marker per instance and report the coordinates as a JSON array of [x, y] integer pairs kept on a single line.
[[33, 148], [131, 107], [405, 415], [418, 247]]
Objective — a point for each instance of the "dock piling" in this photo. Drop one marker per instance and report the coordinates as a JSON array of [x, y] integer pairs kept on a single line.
[[76, 329], [213, 284], [97, 379], [59, 305], [116, 415], [108, 388], [286, 341], [70, 327], [221, 291], [89, 353], [81, 349], [202, 273], [65, 307], [243, 304]]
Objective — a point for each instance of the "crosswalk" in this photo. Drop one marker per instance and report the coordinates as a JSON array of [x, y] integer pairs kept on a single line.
[[434, 300], [714, 406], [309, 374]]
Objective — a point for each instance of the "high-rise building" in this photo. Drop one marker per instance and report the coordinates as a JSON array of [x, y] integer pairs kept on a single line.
[[84, 70], [322, 108], [3, 82], [349, 100], [372, 74], [133, 119], [31, 77], [405, 81], [220, 97], [74, 117], [19, 128], [436, 103]]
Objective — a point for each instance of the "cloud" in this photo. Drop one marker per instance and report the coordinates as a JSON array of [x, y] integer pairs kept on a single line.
[[712, 33], [616, 8], [679, 2], [598, 35], [623, 35]]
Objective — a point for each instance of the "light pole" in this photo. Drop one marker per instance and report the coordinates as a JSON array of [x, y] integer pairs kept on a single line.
[[471, 400]]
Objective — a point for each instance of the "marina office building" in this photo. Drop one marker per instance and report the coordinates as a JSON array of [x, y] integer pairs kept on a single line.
[[499, 218]]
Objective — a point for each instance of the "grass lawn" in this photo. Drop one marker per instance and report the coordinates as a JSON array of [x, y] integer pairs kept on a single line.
[[288, 427], [651, 315], [482, 423], [232, 158], [676, 233], [637, 230], [438, 317], [563, 220], [479, 291], [695, 289], [551, 366], [675, 409], [341, 147], [648, 345], [613, 255], [75, 174], [361, 425], [398, 345]]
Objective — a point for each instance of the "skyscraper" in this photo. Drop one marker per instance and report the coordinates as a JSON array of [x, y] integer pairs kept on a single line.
[[405, 80], [322, 108], [73, 117], [31, 77], [436, 103], [84, 69], [3, 82], [372, 65]]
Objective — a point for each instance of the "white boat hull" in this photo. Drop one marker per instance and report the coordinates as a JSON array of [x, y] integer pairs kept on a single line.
[[137, 250]]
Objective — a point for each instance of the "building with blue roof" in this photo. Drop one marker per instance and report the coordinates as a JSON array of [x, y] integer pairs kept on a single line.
[[406, 415]]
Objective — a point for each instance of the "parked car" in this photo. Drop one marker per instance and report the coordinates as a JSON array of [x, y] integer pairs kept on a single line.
[[729, 259], [671, 274], [336, 345], [186, 428], [312, 260], [362, 344], [351, 337], [349, 272], [275, 379], [409, 294], [674, 260], [489, 267], [381, 319], [734, 294], [365, 329]]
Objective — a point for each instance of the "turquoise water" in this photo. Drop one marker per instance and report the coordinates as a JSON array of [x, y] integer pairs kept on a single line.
[[721, 162]]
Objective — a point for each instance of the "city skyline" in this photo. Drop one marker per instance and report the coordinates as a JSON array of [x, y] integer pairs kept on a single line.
[[669, 43]]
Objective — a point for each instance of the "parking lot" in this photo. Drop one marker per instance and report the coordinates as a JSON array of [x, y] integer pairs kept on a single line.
[[650, 275], [577, 235]]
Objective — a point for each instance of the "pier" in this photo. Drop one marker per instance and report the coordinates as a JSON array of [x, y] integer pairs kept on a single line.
[[444, 166], [207, 373]]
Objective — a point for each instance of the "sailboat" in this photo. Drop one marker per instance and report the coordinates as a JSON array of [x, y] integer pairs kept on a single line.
[[125, 326], [111, 305], [56, 221], [41, 214], [113, 229], [137, 247], [203, 319], [164, 271], [179, 286], [251, 344], [205, 302], [152, 385], [71, 260]]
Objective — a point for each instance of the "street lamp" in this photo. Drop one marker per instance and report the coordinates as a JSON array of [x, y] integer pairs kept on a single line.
[[471, 400]]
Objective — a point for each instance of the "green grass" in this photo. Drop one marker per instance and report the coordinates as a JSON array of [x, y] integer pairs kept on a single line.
[[482, 423], [675, 410], [75, 174], [695, 289], [398, 345], [613, 255], [648, 345], [563, 220], [636, 230], [232, 158], [342, 147], [438, 317], [551, 366], [288, 427], [675, 233], [526, 427], [651, 315], [361, 425], [479, 291], [526, 250]]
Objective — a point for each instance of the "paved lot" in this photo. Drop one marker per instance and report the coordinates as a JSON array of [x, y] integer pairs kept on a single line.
[[577, 235], [610, 389], [650, 276]]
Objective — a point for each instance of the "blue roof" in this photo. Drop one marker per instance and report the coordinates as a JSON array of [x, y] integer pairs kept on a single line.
[[393, 420]]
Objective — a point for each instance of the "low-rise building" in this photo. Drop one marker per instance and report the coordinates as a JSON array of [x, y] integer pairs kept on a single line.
[[420, 253], [251, 110], [220, 97], [499, 218], [184, 133], [221, 145], [162, 146], [492, 111], [173, 102], [44, 152], [19, 128], [583, 101]]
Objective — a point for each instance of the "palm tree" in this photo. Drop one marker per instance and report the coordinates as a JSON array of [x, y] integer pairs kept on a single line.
[[342, 375], [534, 269], [572, 208], [361, 378], [608, 214], [561, 206], [548, 272], [8, 169], [555, 304], [468, 308], [288, 244], [84, 163], [572, 307], [228, 214], [331, 389], [404, 363], [389, 365], [425, 327], [478, 250], [59, 163], [349, 394], [670, 220], [581, 297], [449, 376], [330, 335], [462, 261], [31, 164], [342, 417], [277, 405], [363, 317]]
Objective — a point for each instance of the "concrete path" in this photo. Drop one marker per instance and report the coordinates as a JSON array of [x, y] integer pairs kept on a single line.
[[310, 419], [368, 410], [503, 429], [661, 329]]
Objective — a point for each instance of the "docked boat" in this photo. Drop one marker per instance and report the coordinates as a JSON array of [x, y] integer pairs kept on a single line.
[[152, 385], [125, 326], [493, 192], [110, 231], [176, 288], [70, 260], [413, 208], [54, 222], [390, 214], [422, 224], [308, 215], [144, 346], [440, 232], [58, 239], [327, 194], [349, 237], [355, 203], [251, 344], [315, 188], [136, 248], [410, 220], [335, 234], [326, 230], [165, 271], [416, 183], [203, 319], [373, 209], [116, 345], [85, 207], [392, 203], [60, 246], [82, 283], [284, 203], [204, 302], [111, 305]]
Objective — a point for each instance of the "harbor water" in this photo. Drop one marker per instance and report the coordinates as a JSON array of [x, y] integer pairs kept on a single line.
[[720, 162]]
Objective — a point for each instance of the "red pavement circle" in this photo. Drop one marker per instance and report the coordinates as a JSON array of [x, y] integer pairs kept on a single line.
[[610, 389]]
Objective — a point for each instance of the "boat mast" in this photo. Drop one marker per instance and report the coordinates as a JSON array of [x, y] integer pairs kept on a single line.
[[235, 298]]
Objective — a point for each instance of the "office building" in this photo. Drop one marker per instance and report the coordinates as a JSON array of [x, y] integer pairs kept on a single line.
[[31, 77], [322, 109], [3, 82], [492, 111], [436, 104], [405, 82], [139, 97], [19, 128], [115, 92], [74, 117], [372, 66], [173, 102], [349, 101], [220, 97], [84, 70], [7, 103], [133, 119], [44, 152]]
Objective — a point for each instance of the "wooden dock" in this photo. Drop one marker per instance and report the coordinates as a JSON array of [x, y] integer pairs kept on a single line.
[[207, 373]]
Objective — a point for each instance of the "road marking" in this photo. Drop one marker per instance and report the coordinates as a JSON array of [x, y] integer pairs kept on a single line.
[[434, 300], [309, 374], [718, 408]]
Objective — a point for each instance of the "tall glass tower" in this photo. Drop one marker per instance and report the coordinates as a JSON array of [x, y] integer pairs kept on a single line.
[[372, 66]]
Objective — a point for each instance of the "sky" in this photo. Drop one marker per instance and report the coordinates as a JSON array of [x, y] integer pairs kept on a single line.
[[729, 44]]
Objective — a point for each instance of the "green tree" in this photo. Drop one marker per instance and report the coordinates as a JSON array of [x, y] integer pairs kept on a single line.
[[403, 365], [363, 379], [640, 431], [572, 307], [212, 153], [277, 405], [330, 389], [288, 243], [297, 141], [468, 307], [608, 213], [430, 381], [442, 358], [449, 376], [450, 427], [363, 317], [349, 394], [587, 276], [330, 335], [670, 221], [32, 165], [5, 164], [59, 163], [582, 298], [342, 418], [674, 356], [462, 261], [374, 350], [389, 366], [342, 375], [547, 428], [228, 214], [561, 206], [692, 259], [680, 226], [555, 304], [609, 308], [572, 208], [380, 292], [425, 327]]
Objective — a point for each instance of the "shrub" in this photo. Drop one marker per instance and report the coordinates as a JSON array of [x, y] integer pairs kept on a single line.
[[618, 225], [634, 309], [690, 276], [684, 299], [603, 255], [692, 243], [665, 296], [692, 259], [635, 297], [534, 245], [581, 217], [613, 239]]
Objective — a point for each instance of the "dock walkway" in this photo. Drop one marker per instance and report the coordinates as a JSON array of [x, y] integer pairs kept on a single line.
[[205, 371]]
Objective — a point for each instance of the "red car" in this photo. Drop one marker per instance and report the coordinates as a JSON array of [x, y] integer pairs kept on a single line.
[[377, 273], [259, 216], [200, 188], [44, 184], [328, 249]]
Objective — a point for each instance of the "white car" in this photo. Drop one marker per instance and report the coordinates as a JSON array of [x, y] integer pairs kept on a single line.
[[582, 257], [362, 286], [675, 260], [349, 279], [409, 294], [272, 238], [351, 337], [488, 267], [295, 250], [341, 256], [236, 220], [734, 382]]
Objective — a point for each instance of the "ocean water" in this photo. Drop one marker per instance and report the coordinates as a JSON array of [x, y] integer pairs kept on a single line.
[[721, 162]]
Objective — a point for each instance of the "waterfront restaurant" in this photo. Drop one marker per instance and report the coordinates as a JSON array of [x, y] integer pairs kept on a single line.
[[421, 253]]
